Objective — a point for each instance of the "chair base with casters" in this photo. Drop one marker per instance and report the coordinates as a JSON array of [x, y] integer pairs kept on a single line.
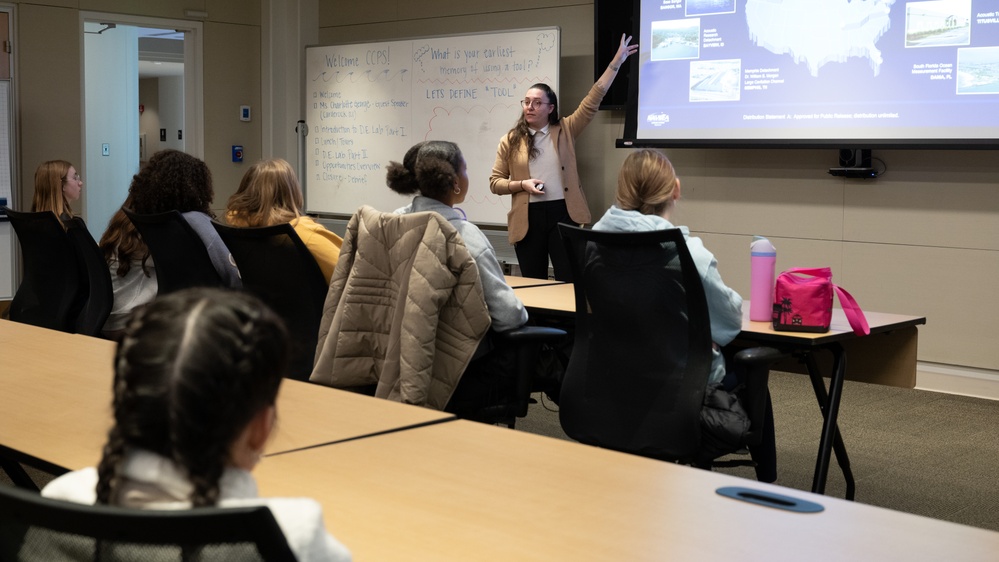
[[37, 528], [638, 373]]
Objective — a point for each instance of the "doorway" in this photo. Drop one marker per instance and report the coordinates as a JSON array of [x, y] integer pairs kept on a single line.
[[142, 83]]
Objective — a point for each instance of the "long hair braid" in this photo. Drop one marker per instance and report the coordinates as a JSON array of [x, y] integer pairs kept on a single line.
[[122, 404]]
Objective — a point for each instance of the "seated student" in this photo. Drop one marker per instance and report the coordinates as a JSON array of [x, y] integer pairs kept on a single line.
[[270, 194], [647, 192], [196, 378], [172, 180], [57, 184], [436, 172]]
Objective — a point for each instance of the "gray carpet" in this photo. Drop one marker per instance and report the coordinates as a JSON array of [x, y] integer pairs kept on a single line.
[[920, 452]]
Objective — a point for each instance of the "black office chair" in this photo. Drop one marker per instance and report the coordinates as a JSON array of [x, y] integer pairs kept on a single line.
[[181, 259], [48, 295], [37, 528], [275, 265], [96, 295], [639, 367]]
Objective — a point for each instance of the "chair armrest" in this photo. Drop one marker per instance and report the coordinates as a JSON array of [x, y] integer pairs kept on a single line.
[[755, 364], [540, 334], [757, 357]]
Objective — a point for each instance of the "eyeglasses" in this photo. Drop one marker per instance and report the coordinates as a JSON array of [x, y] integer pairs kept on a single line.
[[533, 103], [75, 177]]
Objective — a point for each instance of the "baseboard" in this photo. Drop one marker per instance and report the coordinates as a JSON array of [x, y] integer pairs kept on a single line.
[[952, 379]]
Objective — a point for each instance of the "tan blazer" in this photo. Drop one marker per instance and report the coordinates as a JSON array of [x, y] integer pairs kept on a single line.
[[404, 311], [512, 165]]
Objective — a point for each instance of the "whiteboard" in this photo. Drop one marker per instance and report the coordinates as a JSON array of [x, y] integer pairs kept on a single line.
[[367, 103]]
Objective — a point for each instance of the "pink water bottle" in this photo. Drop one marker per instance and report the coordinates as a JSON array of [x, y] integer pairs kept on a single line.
[[763, 259]]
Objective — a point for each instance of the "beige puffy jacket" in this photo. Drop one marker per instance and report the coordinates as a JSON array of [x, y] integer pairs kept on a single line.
[[404, 311]]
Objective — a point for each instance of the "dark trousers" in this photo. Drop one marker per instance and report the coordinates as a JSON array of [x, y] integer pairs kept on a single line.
[[543, 240]]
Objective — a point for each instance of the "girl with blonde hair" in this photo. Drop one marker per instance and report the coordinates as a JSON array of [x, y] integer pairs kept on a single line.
[[647, 192], [57, 184], [270, 194]]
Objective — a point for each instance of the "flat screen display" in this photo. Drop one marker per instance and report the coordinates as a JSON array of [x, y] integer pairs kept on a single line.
[[816, 73]]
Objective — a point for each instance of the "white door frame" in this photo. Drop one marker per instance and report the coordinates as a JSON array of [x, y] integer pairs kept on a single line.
[[194, 99]]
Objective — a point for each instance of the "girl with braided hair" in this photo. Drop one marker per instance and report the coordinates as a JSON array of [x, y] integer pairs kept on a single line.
[[197, 374]]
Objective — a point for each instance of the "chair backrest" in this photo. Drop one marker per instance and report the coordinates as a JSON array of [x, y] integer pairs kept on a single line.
[[97, 295], [275, 265], [181, 259], [37, 528], [49, 290], [641, 358]]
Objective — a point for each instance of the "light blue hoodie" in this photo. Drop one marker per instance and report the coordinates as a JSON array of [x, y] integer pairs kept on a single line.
[[505, 309], [724, 304]]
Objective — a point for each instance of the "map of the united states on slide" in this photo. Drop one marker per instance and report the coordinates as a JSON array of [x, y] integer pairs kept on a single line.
[[816, 32]]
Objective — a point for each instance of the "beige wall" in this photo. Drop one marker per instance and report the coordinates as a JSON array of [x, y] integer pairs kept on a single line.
[[923, 239], [49, 83]]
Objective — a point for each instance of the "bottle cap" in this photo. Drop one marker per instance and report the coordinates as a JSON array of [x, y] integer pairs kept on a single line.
[[760, 246]]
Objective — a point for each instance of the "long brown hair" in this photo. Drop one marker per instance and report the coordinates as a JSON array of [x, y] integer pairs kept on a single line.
[[521, 132], [121, 242], [268, 194]]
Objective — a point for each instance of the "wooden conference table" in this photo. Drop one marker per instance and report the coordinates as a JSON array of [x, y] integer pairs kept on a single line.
[[468, 491], [57, 403], [463, 491], [887, 356]]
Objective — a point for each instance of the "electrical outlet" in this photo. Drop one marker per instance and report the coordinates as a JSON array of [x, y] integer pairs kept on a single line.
[[105, 149]]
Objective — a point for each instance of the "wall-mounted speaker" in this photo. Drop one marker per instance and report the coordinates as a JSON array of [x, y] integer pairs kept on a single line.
[[854, 158]]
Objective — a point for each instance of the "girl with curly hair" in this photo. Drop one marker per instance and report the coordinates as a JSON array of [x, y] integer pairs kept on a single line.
[[172, 180]]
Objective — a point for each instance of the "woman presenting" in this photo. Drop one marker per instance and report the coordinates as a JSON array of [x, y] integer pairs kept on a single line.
[[536, 163]]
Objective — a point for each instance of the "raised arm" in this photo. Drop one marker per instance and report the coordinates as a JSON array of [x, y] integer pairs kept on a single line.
[[624, 50]]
